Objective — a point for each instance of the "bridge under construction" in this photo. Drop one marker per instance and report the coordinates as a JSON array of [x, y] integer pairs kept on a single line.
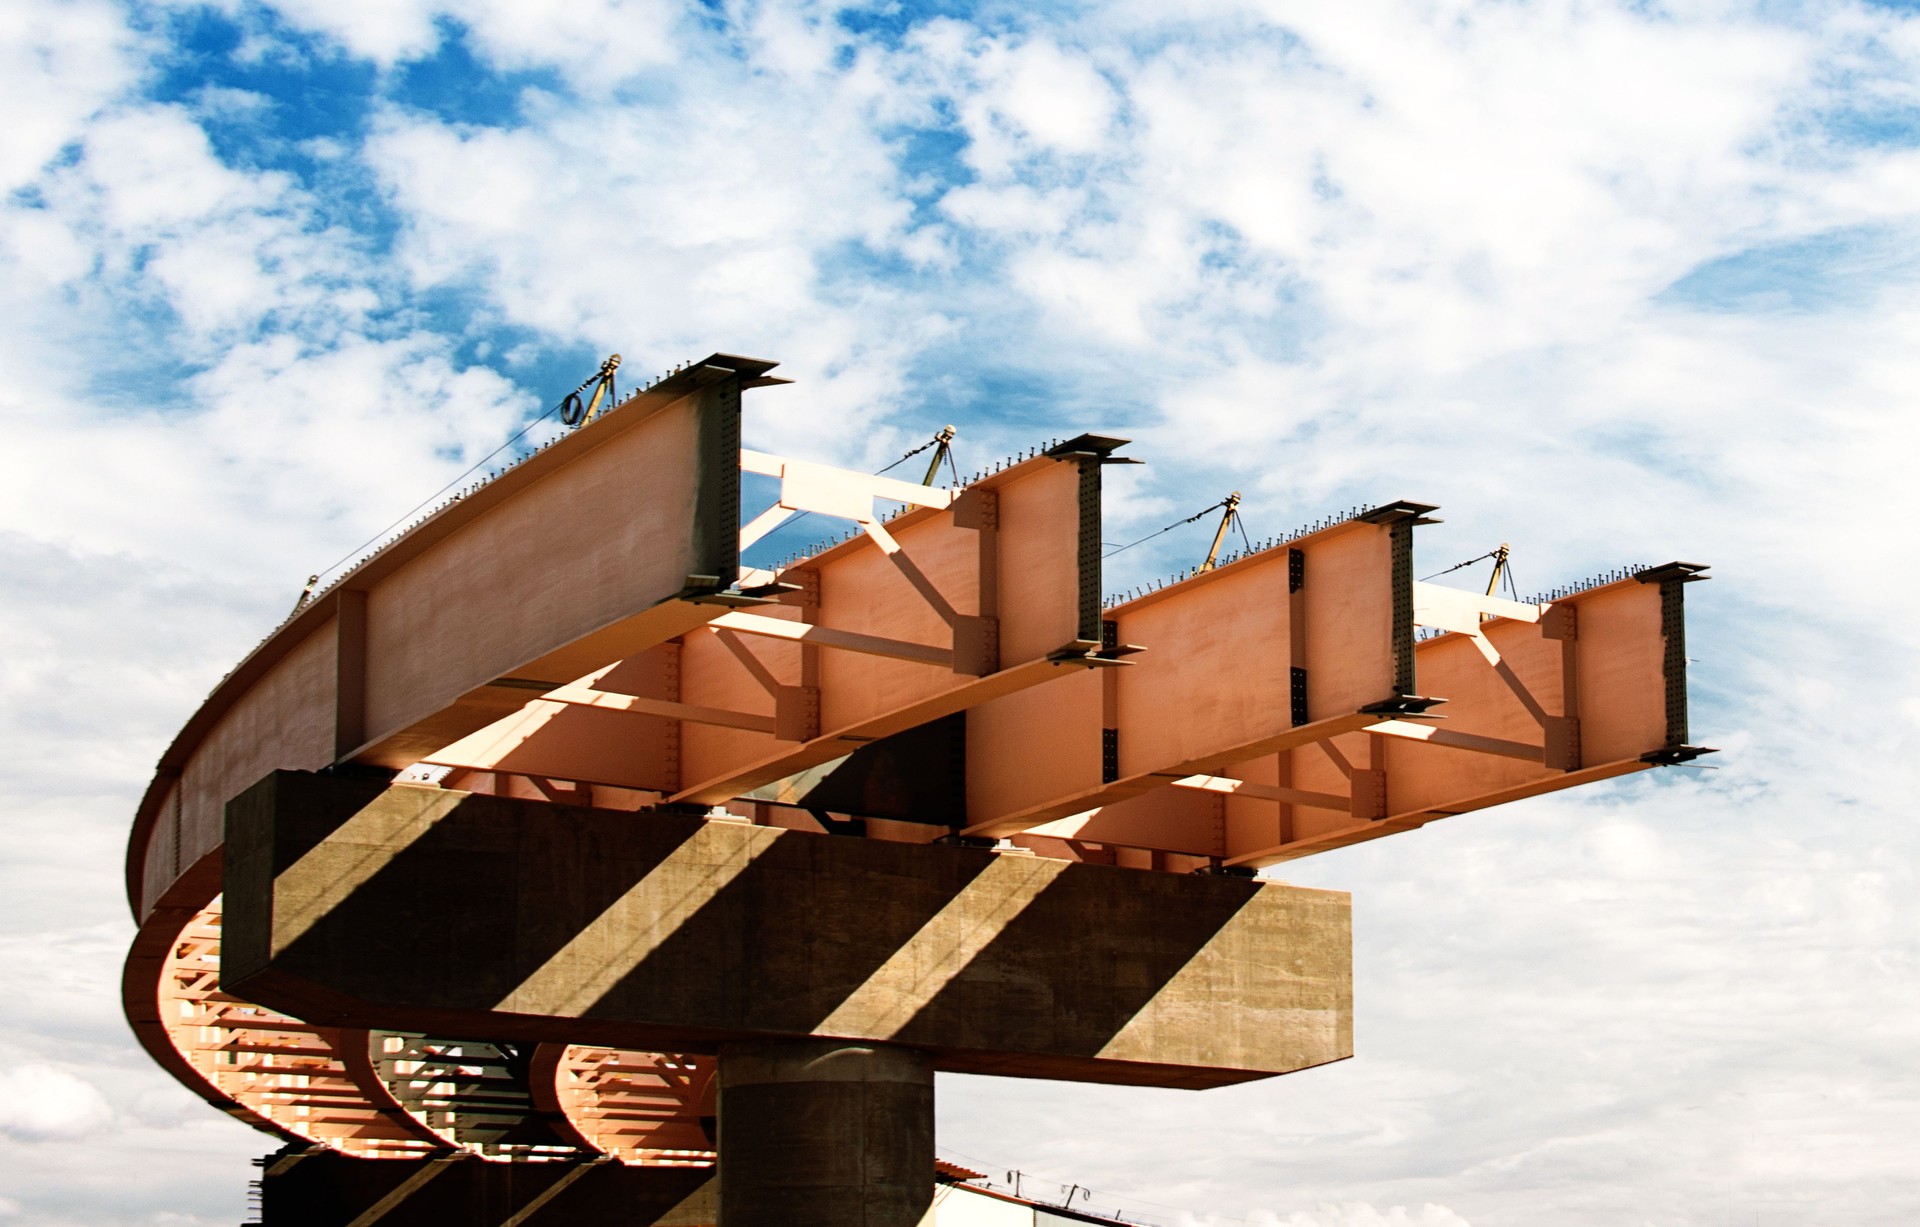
[[550, 865]]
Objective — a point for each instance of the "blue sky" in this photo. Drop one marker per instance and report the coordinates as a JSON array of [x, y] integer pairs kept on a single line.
[[1613, 282]]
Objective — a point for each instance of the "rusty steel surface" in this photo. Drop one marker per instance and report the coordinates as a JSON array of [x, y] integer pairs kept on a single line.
[[948, 671]]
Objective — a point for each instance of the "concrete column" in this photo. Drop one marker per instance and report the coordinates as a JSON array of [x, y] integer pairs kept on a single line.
[[824, 1133]]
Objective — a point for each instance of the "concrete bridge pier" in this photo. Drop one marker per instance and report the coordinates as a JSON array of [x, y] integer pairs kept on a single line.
[[824, 1133]]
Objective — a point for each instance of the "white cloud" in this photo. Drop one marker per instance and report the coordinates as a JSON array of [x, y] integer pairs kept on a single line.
[[1451, 186], [1021, 209], [156, 172], [148, 238], [1362, 1214], [1028, 98], [59, 64], [316, 450], [613, 224], [598, 39], [43, 1103], [374, 29]]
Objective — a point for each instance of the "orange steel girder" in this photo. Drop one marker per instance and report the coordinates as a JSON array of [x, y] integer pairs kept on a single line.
[[602, 544], [949, 605], [273, 1071], [1281, 648], [639, 1107], [1281, 706], [1537, 698], [324, 1085]]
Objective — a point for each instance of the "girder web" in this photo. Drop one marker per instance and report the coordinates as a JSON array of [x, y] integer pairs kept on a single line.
[[415, 1095], [639, 1107], [472, 1093], [1508, 724], [278, 1067]]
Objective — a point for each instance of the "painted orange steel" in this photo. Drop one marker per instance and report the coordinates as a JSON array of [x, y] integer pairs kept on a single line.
[[639, 1107], [320, 1085], [405, 651], [1214, 685], [562, 565], [1597, 659], [929, 614], [580, 630], [271, 1070]]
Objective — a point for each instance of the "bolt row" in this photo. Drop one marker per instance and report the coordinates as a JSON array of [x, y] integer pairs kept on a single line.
[[1259, 547], [1587, 585]]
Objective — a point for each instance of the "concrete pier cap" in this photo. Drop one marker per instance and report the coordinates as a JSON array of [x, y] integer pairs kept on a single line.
[[824, 1133], [351, 904]]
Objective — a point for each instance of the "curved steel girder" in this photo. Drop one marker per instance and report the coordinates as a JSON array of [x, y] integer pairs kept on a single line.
[[285, 1075], [391, 1095], [639, 1107]]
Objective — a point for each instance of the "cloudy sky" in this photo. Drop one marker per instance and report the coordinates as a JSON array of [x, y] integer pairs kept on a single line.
[[1615, 282]]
